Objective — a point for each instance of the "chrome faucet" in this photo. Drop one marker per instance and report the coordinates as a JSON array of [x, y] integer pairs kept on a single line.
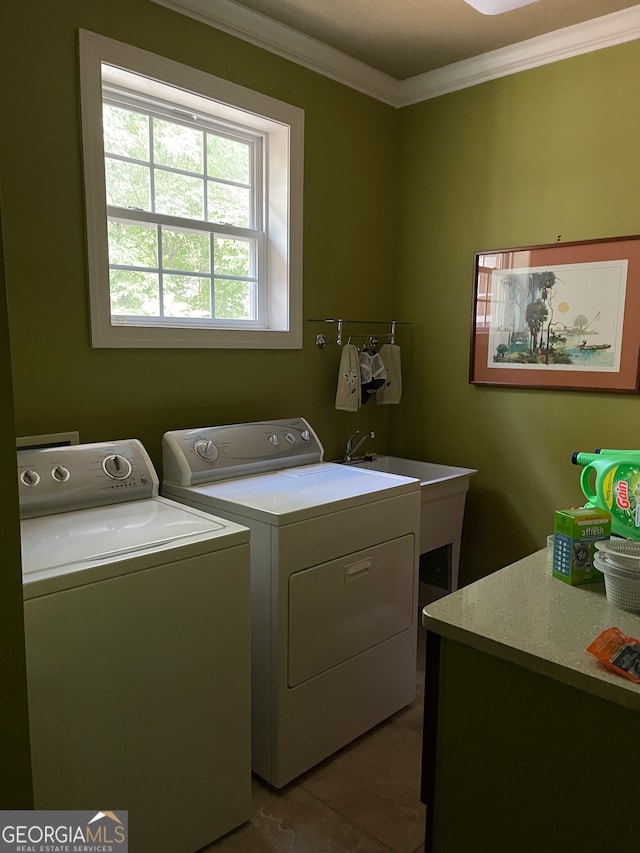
[[350, 448]]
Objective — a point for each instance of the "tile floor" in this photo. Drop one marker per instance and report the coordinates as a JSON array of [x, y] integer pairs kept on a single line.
[[363, 799]]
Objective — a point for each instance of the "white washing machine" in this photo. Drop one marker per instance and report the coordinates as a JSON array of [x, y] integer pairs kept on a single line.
[[138, 655], [334, 553]]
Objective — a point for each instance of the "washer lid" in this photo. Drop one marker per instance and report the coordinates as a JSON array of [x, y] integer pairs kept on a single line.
[[79, 547], [295, 494]]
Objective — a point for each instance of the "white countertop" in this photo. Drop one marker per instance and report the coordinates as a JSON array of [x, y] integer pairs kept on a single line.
[[524, 615]]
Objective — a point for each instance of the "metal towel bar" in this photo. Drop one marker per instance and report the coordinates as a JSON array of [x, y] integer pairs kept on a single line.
[[321, 339]]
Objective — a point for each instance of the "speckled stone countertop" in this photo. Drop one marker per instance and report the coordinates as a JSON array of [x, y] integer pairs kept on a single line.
[[524, 615]]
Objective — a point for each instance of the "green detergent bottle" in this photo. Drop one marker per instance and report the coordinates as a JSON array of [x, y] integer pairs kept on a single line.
[[579, 458], [619, 454], [615, 488]]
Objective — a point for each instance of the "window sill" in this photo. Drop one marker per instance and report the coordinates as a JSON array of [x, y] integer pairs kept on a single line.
[[140, 337]]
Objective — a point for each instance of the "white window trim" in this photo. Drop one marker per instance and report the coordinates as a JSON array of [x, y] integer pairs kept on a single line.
[[283, 216]]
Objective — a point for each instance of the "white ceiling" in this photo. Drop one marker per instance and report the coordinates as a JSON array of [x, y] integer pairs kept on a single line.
[[403, 50], [403, 38]]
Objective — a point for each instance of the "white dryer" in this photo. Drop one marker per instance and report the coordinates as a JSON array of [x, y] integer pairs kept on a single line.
[[137, 640], [334, 553]]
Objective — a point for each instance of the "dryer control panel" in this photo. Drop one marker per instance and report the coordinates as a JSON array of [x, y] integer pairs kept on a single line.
[[194, 456], [78, 476]]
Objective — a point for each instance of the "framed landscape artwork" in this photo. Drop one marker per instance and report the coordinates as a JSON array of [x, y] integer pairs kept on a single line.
[[561, 315]]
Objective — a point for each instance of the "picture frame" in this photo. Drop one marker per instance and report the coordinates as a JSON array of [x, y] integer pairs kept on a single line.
[[562, 316]]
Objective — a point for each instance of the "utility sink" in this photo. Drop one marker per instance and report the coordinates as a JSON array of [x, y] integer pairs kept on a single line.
[[428, 473], [443, 491]]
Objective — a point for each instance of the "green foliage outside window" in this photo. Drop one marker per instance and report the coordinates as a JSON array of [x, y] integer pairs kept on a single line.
[[162, 167]]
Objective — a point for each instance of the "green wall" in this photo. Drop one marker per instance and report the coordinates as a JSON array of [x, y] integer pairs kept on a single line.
[[350, 197], [513, 162], [15, 769]]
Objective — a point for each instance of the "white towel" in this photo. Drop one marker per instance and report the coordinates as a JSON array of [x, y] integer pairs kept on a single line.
[[391, 391], [365, 367], [378, 367], [372, 375], [348, 391]]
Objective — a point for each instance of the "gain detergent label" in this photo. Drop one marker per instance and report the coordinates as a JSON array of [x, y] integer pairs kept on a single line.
[[620, 491]]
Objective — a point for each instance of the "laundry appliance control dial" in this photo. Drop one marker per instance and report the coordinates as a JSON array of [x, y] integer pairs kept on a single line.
[[117, 467], [206, 450], [30, 478], [60, 473]]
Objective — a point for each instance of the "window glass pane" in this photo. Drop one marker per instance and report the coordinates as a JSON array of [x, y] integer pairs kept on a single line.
[[128, 185], [187, 296], [200, 248], [179, 195], [233, 300], [125, 133], [136, 293], [228, 159], [184, 250], [233, 257], [228, 205], [177, 146], [133, 245]]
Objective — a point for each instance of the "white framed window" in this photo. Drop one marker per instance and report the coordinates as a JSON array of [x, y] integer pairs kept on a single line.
[[193, 193]]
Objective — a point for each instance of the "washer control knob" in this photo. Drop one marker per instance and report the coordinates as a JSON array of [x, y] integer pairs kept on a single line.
[[273, 438], [290, 438], [117, 467], [30, 478], [60, 473], [206, 450], [304, 435]]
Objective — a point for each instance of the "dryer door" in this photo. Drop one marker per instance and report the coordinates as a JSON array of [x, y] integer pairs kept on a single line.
[[339, 609]]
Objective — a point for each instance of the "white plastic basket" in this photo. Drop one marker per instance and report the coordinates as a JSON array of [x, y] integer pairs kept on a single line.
[[620, 552], [621, 585]]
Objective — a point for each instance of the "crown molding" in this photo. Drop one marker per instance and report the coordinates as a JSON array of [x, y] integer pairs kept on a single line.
[[582, 38], [264, 32], [259, 30]]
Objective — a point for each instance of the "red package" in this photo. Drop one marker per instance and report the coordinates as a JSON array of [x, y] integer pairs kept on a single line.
[[619, 653]]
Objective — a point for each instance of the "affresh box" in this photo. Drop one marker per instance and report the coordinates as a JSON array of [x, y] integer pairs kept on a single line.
[[576, 532]]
